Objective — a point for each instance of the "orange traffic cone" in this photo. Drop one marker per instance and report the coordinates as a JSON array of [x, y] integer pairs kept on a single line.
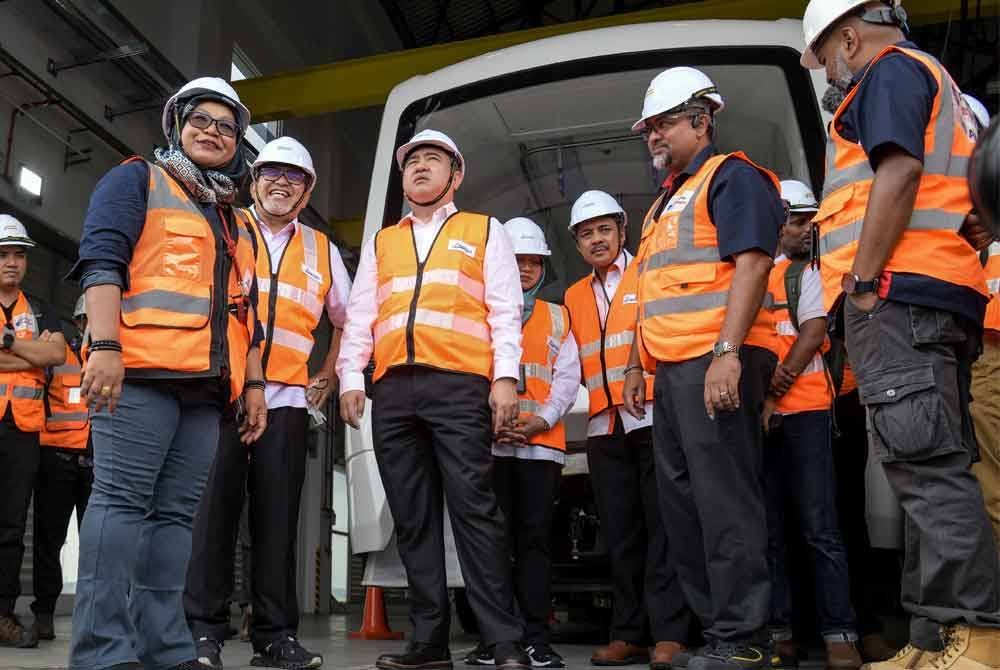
[[375, 622]]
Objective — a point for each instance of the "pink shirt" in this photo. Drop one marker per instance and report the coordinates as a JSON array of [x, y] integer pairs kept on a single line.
[[503, 299], [283, 395]]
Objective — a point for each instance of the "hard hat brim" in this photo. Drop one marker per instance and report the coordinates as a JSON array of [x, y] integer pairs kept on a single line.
[[547, 252], [18, 242], [809, 59], [404, 150]]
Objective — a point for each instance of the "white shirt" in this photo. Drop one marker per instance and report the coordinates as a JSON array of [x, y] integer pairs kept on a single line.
[[562, 396], [604, 292], [503, 300], [284, 395]]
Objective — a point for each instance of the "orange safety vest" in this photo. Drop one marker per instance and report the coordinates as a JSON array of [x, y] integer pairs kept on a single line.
[[23, 391], [683, 286], [930, 245], [541, 339], [813, 388], [67, 424], [291, 301], [433, 313], [166, 312], [604, 348], [992, 321]]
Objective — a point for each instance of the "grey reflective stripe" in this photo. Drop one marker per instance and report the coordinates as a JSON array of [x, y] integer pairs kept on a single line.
[[595, 382], [686, 303], [558, 323], [837, 179], [536, 371], [243, 220], [648, 220], [616, 374], [685, 251], [66, 369], [162, 195], [58, 417], [532, 406], [168, 301], [3, 389], [28, 392], [619, 340], [309, 248], [922, 219], [590, 349]]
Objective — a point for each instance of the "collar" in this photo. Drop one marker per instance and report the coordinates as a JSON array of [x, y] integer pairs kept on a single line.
[[290, 228], [675, 181], [440, 214], [620, 263], [860, 74]]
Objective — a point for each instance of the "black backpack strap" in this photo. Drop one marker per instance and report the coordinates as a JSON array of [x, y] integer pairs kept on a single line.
[[793, 289]]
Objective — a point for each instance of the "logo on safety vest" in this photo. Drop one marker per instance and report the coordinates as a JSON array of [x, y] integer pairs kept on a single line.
[[312, 274], [629, 299], [459, 245], [24, 322], [677, 203]]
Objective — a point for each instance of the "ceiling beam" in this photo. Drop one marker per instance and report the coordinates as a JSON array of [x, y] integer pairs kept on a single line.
[[364, 82]]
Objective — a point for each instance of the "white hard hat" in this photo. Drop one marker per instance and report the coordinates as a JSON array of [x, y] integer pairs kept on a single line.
[[288, 151], [526, 237], [672, 88], [80, 309], [821, 14], [435, 138], [978, 110], [799, 197], [13, 233], [200, 86], [593, 204]]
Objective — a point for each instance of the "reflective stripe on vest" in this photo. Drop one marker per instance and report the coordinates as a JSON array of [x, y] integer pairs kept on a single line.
[[992, 320], [930, 244], [67, 423], [546, 326], [683, 285], [23, 390], [433, 312]]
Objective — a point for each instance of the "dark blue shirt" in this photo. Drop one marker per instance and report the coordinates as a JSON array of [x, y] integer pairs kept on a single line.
[[744, 205], [891, 110], [113, 224]]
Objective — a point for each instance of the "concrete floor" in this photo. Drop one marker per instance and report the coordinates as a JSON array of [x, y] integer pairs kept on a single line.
[[326, 635]]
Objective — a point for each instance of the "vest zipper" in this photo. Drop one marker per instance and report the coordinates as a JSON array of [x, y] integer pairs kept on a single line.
[[272, 300], [411, 319]]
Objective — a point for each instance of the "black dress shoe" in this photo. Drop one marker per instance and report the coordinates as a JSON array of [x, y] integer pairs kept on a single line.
[[511, 656], [418, 656]]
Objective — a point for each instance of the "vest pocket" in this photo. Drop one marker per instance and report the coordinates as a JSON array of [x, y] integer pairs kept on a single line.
[[183, 247]]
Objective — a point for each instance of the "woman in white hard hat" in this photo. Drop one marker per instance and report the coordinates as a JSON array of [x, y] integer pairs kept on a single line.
[[301, 276], [167, 264], [437, 299], [528, 457]]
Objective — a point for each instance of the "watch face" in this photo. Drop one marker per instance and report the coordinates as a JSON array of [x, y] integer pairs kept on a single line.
[[848, 283]]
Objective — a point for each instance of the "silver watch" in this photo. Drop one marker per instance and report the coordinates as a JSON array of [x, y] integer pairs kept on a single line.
[[723, 348]]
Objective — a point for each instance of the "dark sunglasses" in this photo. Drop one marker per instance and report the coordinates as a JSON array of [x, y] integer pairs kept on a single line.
[[294, 175], [202, 121]]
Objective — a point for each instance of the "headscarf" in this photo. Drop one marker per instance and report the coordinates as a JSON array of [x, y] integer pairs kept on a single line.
[[529, 298]]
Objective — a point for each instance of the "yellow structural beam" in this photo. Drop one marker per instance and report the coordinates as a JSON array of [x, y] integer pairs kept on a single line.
[[363, 82]]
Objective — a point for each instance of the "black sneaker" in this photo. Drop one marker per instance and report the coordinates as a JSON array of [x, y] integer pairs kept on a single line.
[[208, 653], [680, 661], [286, 653], [726, 655], [186, 665], [544, 656], [510, 656], [43, 627], [418, 656], [481, 655]]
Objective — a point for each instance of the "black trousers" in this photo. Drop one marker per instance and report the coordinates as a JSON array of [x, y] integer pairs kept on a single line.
[[63, 484], [711, 496], [648, 604], [526, 491], [19, 458], [432, 432], [272, 472]]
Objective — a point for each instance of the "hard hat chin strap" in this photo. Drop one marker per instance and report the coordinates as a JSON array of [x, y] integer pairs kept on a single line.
[[444, 191]]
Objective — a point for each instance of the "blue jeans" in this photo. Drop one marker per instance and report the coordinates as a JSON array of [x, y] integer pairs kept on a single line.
[[151, 462], [799, 481]]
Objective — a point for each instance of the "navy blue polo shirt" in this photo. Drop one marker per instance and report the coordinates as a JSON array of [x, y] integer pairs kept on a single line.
[[744, 205], [892, 109], [114, 221]]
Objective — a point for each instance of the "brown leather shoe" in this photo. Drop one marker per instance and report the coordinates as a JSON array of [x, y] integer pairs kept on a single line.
[[842, 655], [785, 655], [13, 634], [620, 652], [664, 654], [874, 648]]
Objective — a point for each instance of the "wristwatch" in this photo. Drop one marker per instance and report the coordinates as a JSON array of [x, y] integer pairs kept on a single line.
[[8, 338], [853, 285], [722, 348]]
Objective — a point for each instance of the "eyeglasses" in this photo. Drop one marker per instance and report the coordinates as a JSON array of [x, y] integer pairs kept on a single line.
[[294, 175], [203, 121], [661, 124]]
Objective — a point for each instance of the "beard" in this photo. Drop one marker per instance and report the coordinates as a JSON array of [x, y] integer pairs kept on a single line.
[[839, 87], [662, 159]]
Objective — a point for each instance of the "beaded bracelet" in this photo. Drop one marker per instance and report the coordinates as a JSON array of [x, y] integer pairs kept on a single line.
[[105, 345], [254, 384]]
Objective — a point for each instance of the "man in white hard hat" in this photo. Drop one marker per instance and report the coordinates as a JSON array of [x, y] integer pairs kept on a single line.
[[300, 276], [798, 456], [647, 602], [437, 299], [895, 259], [31, 341], [528, 458], [65, 476], [704, 260]]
